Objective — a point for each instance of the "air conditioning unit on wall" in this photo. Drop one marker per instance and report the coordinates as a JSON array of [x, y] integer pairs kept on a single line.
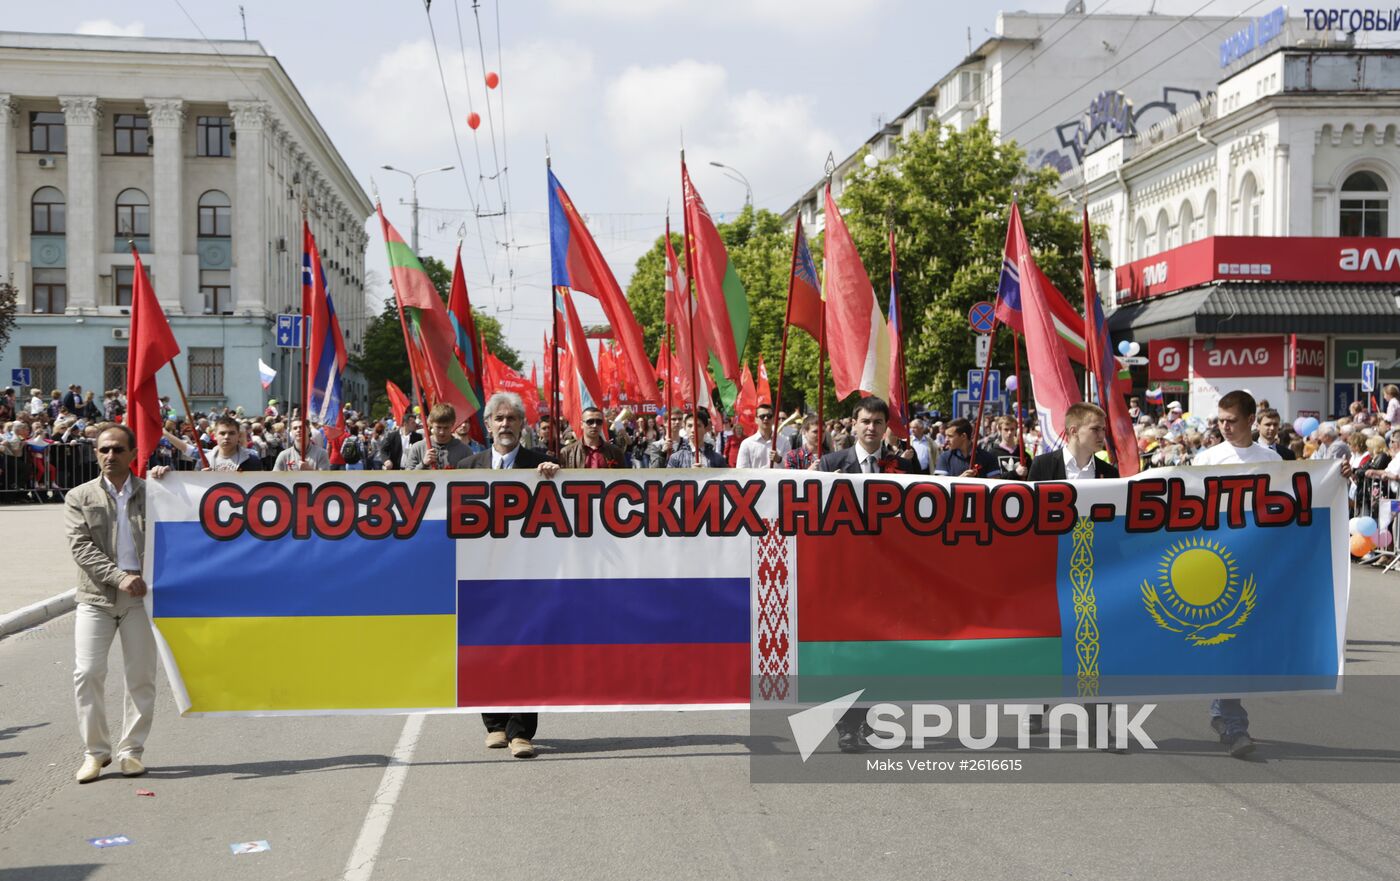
[[121, 333], [48, 162]]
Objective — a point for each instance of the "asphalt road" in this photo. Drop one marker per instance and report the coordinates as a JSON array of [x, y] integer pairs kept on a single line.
[[637, 795]]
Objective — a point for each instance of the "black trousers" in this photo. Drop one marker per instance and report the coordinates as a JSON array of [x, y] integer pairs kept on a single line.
[[513, 724]]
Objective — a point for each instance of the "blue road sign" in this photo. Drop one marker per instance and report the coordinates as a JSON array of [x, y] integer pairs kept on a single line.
[[982, 316], [974, 384], [20, 376], [289, 331], [965, 405], [1368, 376]]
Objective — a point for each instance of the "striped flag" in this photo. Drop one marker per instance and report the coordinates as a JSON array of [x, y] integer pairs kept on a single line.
[[1068, 323], [326, 360], [1122, 441], [428, 332], [1054, 388], [459, 312], [724, 306], [804, 307]]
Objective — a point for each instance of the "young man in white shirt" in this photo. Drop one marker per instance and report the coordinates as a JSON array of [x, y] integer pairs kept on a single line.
[[756, 450]]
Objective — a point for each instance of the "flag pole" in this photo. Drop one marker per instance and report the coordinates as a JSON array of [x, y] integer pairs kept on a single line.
[[690, 315], [189, 417], [898, 320], [821, 376], [1016, 357], [555, 407], [305, 332], [787, 314], [982, 392]]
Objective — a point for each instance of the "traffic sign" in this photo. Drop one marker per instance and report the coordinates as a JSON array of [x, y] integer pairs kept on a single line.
[[984, 347], [982, 316], [1368, 376], [20, 376], [965, 405], [974, 384], [1131, 360], [289, 331]]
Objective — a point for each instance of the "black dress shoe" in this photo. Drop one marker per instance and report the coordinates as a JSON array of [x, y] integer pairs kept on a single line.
[[1241, 745], [850, 742]]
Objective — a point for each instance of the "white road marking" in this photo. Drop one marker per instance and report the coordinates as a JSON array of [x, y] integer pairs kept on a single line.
[[361, 863]]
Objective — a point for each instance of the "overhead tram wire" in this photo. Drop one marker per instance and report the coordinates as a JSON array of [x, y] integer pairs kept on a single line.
[[481, 178], [500, 69], [222, 56], [501, 170], [1050, 105], [461, 162]]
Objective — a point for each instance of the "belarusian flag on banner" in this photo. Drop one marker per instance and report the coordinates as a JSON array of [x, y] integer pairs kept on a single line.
[[724, 307], [427, 329], [857, 338]]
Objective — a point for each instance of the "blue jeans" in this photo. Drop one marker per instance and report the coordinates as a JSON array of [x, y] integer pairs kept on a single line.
[[1231, 713]]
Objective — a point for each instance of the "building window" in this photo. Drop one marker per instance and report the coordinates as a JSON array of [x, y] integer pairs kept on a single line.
[[124, 278], [42, 362], [114, 367], [213, 136], [133, 135], [215, 215], [218, 295], [49, 216], [133, 213], [1365, 205], [1250, 200], [50, 290], [206, 372], [46, 133]]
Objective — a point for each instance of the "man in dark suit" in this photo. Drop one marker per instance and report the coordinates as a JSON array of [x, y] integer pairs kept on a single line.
[[1268, 424], [1085, 428], [505, 420], [868, 456]]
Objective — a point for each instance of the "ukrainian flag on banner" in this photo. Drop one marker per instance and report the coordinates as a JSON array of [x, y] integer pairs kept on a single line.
[[1248, 602], [375, 629]]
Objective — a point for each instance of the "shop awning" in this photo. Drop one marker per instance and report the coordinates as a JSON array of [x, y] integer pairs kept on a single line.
[[1263, 307]]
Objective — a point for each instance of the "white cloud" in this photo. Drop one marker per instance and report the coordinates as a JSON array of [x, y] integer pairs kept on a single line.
[[771, 139], [108, 28]]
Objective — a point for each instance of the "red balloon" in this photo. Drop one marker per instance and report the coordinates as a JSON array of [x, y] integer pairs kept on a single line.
[[473, 120], [492, 80]]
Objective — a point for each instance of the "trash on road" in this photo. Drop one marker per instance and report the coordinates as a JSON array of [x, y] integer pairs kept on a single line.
[[249, 847], [111, 841], [146, 792]]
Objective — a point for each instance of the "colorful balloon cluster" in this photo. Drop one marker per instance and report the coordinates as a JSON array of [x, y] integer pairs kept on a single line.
[[1366, 536], [1305, 425], [1129, 349]]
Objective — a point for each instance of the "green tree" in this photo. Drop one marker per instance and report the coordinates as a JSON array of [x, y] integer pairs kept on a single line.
[[9, 304], [384, 357], [762, 252], [948, 194]]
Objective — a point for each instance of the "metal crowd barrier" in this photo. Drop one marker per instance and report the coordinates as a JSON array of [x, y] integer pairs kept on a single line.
[[45, 475]]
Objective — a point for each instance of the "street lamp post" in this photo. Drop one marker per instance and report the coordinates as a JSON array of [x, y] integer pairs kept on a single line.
[[413, 204], [748, 190]]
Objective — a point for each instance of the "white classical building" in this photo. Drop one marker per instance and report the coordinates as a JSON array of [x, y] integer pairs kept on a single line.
[[1252, 234], [203, 155], [1058, 85]]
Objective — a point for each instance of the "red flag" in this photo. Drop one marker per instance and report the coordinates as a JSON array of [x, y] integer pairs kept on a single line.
[[804, 305], [609, 378], [765, 391], [582, 359], [1122, 440], [681, 313], [535, 384], [746, 407], [1054, 388], [507, 379], [857, 338], [724, 307], [398, 401], [549, 375], [152, 347], [468, 348]]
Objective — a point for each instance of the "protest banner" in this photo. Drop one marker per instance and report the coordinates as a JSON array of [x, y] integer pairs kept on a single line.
[[461, 591]]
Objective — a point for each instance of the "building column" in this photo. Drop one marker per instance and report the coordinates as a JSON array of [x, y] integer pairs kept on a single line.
[[167, 116], [1282, 191], [10, 218], [81, 116], [249, 213]]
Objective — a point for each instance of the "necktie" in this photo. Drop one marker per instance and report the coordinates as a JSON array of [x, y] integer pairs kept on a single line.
[[869, 465]]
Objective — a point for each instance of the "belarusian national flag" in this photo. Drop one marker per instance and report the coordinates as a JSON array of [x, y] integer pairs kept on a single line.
[[724, 307]]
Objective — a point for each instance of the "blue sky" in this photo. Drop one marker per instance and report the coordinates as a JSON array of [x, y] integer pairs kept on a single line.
[[766, 86]]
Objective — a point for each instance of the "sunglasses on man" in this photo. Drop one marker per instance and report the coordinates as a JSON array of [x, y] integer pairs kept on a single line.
[[592, 422]]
